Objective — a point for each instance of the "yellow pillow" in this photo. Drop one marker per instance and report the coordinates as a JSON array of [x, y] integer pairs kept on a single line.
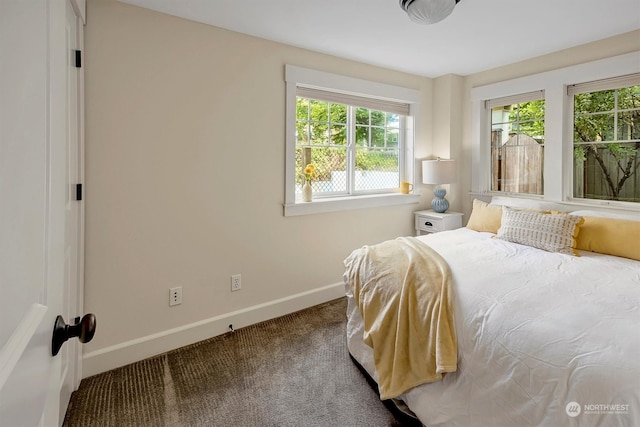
[[610, 236], [485, 217]]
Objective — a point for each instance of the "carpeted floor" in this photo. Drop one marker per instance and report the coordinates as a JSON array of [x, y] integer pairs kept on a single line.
[[290, 371]]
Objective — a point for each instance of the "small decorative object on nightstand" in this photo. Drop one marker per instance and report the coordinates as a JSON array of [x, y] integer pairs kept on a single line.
[[432, 222]]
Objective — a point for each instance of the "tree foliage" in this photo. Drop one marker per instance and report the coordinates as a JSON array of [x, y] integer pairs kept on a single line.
[[529, 117]]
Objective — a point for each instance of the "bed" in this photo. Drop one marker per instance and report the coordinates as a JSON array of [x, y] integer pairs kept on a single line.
[[544, 338]]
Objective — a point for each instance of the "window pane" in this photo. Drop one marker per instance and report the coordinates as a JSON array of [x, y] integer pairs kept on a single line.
[[377, 137], [362, 116], [594, 102], [362, 136], [594, 128], [606, 128], [533, 110], [338, 134], [338, 113], [500, 120], [319, 110], [302, 133], [393, 136], [302, 109], [378, 118], [302, 121], [629, 125], [597, 175], [517, 147], [376, 169], [319, 133], [393, 120], [629, 97]]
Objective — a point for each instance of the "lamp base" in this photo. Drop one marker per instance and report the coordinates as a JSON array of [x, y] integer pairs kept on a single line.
[[439, 204]]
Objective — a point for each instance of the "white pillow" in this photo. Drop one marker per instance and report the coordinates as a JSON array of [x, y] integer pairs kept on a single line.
[[549, 232]]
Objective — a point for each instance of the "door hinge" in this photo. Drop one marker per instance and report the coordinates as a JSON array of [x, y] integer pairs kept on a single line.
[[78, 191], [78, 61]]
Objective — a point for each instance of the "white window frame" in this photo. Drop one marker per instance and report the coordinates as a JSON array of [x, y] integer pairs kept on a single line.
[[351, 148], [558, 158], [302, 77], [509, 100], [596, 86]]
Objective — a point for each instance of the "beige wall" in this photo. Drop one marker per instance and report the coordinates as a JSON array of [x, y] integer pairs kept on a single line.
[[185, 174], [447, 102], [185, 169]]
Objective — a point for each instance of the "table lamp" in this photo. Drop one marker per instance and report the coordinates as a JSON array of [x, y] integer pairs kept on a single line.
[[439, 172]]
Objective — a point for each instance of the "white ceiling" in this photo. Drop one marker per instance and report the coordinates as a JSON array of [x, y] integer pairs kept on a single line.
[[477, 36]]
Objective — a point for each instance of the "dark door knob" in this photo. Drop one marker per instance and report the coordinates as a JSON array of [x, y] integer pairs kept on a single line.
[[83, 329]]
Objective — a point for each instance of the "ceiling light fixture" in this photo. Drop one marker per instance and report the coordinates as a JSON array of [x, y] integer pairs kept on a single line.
[[428, 11]]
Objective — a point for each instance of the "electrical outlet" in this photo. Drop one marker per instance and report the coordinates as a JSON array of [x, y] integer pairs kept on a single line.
[[236, 283], [175, 296]]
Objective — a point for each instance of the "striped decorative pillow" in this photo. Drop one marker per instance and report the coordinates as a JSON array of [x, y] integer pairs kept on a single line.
[[549, 232]]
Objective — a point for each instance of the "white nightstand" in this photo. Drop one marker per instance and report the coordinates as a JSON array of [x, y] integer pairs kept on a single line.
[[432, 222]]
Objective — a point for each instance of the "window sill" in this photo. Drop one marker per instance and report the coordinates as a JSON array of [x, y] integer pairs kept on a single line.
[[337, 204], [572, 203], [603, 204]]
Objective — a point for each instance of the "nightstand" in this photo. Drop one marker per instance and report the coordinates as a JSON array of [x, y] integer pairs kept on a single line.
[[432, 222]]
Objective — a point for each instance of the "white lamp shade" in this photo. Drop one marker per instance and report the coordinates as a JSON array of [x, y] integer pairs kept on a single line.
[[429, 11], [439, 171]]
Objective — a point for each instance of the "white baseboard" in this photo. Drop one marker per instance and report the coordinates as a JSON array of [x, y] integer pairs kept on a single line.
[[132, 351]]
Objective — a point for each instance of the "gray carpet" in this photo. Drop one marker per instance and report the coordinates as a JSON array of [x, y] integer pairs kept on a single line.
[[290, 371]]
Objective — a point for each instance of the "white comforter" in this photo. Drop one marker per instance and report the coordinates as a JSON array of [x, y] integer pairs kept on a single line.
[[544, 339]]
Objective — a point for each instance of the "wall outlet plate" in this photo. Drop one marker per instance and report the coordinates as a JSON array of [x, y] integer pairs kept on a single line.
[[236, 283], [175, 296]]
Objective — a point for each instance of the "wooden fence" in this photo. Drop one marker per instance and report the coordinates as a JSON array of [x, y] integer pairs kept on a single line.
[[589, 179], [517, 164]]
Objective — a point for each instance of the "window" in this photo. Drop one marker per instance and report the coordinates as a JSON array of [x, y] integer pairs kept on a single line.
[[606, 139], [355, 150], [562, 177], [358, 135], [517, 143]]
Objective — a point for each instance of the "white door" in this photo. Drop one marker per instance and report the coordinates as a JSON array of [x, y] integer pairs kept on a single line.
[[72, 304], [38, 245]]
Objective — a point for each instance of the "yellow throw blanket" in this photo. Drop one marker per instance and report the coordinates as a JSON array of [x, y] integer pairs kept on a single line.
[[402, 288]]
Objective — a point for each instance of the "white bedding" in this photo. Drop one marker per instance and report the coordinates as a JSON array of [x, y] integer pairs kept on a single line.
[[536, 332]]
